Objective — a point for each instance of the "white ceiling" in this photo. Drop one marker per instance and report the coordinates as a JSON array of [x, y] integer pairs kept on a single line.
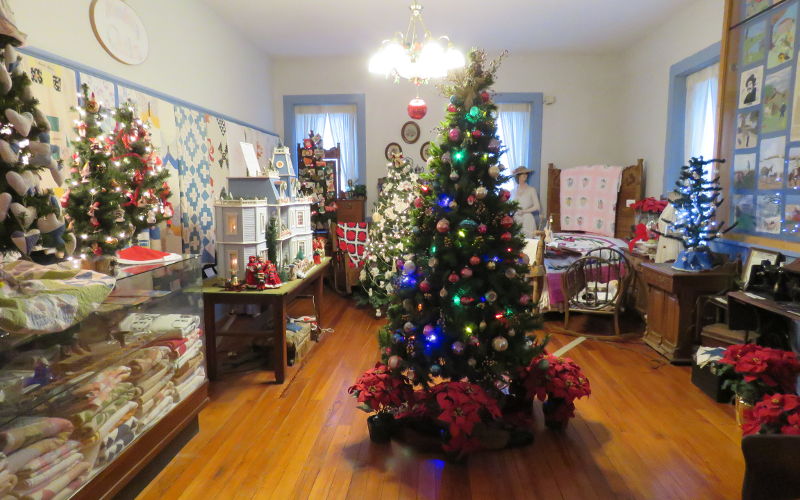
[[350, 27]]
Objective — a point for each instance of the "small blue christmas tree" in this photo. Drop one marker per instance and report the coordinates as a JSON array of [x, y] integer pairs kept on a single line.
[[694, 215]]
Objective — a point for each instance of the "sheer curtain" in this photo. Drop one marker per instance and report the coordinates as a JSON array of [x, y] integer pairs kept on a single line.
[[343, 131], [336, 125], [701, 113], [514, 129]]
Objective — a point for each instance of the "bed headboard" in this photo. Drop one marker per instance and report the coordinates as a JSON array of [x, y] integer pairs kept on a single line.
[[631, 188]]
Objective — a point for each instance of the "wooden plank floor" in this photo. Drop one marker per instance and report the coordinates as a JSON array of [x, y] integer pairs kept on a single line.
[[646, 432]]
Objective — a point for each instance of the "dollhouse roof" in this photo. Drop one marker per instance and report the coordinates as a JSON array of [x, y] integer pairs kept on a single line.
[[282, 161]]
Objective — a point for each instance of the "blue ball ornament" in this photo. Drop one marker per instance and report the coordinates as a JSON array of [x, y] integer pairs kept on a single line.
[[436, 369]]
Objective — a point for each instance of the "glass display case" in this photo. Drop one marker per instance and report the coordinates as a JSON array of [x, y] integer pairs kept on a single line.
[[74, 402]]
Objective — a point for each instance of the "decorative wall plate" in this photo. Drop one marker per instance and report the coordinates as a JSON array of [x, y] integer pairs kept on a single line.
[[410, 132], [119, 30], [391, 149], [425, 151]]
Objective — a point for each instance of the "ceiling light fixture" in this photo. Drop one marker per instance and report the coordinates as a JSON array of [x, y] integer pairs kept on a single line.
[[416, 56]]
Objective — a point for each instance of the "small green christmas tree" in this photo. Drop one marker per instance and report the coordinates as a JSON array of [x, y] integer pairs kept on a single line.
[[272, 240], [97, 192], [388, 234]]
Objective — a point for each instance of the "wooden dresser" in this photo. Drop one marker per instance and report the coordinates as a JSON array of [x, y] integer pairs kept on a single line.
[[671, 305], [637, 293], [351, 210]]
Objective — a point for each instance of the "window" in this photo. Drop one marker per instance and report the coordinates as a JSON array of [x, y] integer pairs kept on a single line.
[[338, 118], [513, 128], [692, 111], [232, 225]]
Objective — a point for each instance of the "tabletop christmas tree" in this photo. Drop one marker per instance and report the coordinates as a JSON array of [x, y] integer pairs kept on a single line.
[[96, 199], [31, 221], [318, 181], [146, 187], [694, 222], [388, 233], [457, 343]]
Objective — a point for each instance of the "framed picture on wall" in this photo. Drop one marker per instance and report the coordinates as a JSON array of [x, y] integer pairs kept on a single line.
[[392, 149], [410, 132], [425, 151]]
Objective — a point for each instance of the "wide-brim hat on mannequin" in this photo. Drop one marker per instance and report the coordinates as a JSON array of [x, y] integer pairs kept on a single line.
[[8, 26], [521, 170]]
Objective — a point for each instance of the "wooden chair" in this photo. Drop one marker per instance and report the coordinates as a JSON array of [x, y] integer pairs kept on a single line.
[[589, 284], [345, 276], [537, 272]]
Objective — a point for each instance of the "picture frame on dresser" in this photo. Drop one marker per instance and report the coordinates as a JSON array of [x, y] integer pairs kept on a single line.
[[755, 257]]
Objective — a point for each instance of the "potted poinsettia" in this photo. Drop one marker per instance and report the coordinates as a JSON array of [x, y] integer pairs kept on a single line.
[[557, 382], [380, 392], [774, 414], [752, 371]]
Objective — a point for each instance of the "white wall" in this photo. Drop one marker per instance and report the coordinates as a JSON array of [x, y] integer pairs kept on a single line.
[[646, 67], [194, 54], [581, 127]]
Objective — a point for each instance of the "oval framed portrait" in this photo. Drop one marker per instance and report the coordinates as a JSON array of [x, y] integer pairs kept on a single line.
[[120, 31], [425, 151], [410, 132], [392, 149]]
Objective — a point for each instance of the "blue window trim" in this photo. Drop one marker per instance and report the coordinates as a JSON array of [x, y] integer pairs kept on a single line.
[[359, 100], [536, 100], [676, 109], [82, 68]]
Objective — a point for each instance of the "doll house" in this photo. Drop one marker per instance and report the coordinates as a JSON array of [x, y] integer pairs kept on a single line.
[[272, 196], [241, 233]]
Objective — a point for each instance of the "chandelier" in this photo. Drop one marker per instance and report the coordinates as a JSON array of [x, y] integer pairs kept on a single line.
[[416, 56]]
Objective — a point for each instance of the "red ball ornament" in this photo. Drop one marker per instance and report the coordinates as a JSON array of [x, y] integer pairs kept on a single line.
[[425, 286], [417, 108], [453, 278], [476, 134], [482, 228], [466, 273], [451, 108], [418, 203], [465, 301], [471, 199], [504, 195], [471, 168], [524, 299], [474, 260], [443, 225], [507, 221], [505, 236], [485, 96], [454, 134]]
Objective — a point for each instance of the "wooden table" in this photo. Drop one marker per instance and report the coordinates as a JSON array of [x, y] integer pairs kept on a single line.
[[278, 298]]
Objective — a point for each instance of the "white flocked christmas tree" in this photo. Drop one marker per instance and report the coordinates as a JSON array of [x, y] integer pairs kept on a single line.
[[391, 225]]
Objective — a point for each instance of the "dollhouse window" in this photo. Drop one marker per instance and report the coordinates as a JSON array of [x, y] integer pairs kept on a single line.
[[262, 223], [300, 218], [233, 259], [232, 225]]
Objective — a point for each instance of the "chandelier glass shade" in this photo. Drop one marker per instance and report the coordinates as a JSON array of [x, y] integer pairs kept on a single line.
[[416, 55]]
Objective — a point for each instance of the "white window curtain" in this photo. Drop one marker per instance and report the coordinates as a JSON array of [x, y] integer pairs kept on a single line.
[[336, 125], [514, 130], [701, 113]]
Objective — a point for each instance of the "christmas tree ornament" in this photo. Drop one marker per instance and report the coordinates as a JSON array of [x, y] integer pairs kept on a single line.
[[494, 171], [476, 134], [417, 108], [485, 97], [471, 200], [507, 221], [418, 202], [443, 226], [457, 347], [524, 299], [446, 157], [24, 215], [5, 203], [40, 154], [504, 195], [22, 122], [491, 265], [394, 362], [474, 260], [425, 286], [453, 205], [511, 332], [491, 296], [466, 300], [25, 242], [409, 267], [56, 172], [433, 261], [482, 228], [456, 100], [472, 362], [482, 326], [474, 115], [454, 176], [5, 80], [408, 327], [494, 146], [466, 272], [451, 108], [443, 293], [506, 236], [499, 343], [17, 183], [436, 370], [7, 154], [454, 134], [481, 192], [511, 273], [398, 338], [453, 278]]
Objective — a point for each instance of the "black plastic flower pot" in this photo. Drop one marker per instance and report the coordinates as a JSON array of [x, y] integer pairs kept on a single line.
[[551, 408], [380, 427]]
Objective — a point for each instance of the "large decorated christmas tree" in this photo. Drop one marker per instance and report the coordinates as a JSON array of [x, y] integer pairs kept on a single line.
[[30, 216], [458, 351], [388, 233], [146, 187], [97, 192]]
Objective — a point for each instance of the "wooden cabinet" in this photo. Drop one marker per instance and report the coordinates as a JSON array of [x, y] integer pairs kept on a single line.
[[671, 305], [637, 294], [351, 210]]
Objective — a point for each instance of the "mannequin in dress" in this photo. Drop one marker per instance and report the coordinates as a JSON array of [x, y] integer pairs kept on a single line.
[[528, 200]]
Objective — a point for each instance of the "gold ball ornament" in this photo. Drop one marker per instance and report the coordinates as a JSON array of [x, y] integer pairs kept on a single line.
[[499, 344]]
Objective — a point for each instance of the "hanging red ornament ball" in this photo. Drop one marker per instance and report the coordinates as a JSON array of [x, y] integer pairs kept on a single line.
[[453, 278], [476, 134], [485, 96], [417, 108], [524, 299], [474, 260], [482, 228], [504, 195], [466, 273], [507, 221], [451, 108], [443, 225], [454, 134], [425, 286], [465, 301], [505, 236], [418, 203]]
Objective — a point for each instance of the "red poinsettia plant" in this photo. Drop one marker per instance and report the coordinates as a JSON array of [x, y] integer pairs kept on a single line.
[[774, 414], [751, 371], [557, 381], [650, 205], [379, 390]]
